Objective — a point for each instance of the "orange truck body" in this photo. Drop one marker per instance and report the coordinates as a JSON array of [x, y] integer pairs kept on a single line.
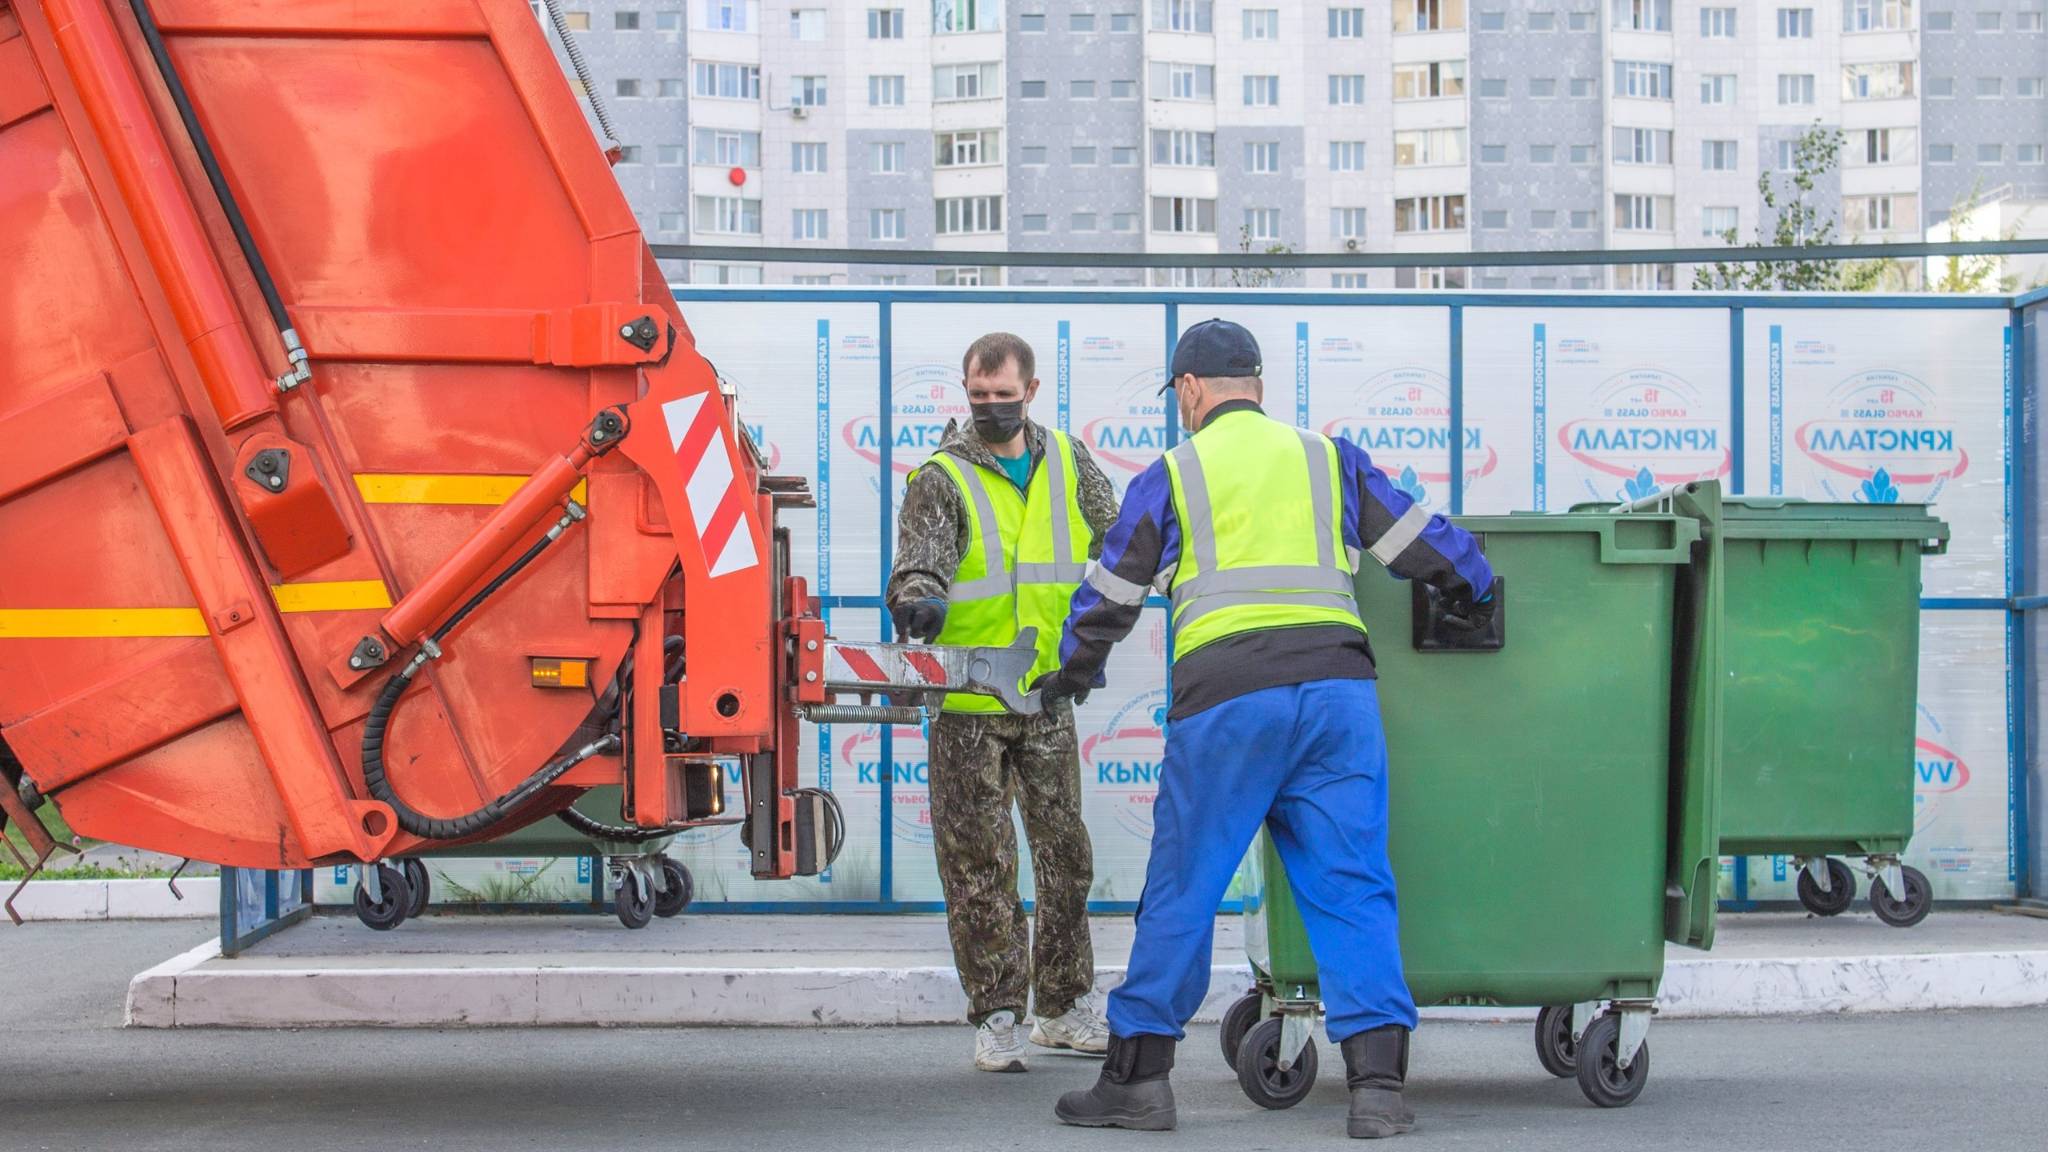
[[177, 618]]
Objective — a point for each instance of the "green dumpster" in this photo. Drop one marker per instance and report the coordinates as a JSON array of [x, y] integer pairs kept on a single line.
[[1551, 790], [645, 882], [1823, 646]]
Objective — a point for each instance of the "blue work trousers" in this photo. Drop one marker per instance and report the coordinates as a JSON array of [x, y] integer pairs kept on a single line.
[[1310, 761]]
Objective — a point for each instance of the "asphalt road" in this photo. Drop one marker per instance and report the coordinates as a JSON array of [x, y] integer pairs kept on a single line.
[[71, 1078]]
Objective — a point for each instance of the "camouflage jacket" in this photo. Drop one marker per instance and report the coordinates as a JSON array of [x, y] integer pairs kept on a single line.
[[931, 530]]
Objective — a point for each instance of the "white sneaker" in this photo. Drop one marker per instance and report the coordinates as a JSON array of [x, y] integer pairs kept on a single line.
[[997, 1047], [1082, 1029]]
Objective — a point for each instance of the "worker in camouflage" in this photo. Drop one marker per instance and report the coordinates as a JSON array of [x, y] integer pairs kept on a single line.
[[986, 763]]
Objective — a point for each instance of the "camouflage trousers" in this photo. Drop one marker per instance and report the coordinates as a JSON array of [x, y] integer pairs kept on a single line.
[[981, 767]]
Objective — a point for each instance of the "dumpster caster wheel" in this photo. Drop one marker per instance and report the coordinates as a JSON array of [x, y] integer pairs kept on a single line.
[[678, 889], [1259, 1073], [1601, 1076], [1555, 1049], [633, 902], [1840, 894], [388, 913], [1907, 912], [1238, 1019], [422, 886]]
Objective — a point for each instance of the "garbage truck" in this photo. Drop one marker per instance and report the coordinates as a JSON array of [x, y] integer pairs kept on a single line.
[[362, 488]]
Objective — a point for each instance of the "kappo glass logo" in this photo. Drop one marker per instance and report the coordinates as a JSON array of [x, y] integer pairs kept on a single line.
[[924, 399], [1938, 771], [1133, 434], [909, 776], [1123, 760], [1648, 430], [1402, 418], [1884, 441]]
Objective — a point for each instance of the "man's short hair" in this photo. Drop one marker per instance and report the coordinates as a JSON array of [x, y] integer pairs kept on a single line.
[[1234, 385], [988, 355]]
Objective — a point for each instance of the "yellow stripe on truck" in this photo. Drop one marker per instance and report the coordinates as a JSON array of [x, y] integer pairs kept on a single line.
[[331, 596], [445, 488], [157, 623]]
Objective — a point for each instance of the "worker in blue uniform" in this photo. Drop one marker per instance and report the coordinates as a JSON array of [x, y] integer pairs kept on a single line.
[[1254, 529]]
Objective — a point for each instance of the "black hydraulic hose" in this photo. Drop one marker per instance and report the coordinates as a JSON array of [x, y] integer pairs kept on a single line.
[[621, 833], [614, 706], [207, 160]]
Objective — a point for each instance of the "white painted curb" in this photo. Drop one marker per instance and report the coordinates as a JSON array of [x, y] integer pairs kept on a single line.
[[141, 899], [188, 992]]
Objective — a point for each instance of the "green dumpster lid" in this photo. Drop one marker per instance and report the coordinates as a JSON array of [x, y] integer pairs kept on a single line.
[[1751, 517]]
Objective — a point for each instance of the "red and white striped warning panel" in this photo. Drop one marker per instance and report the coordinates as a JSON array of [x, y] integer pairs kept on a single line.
[[717, 503], [852, 664]]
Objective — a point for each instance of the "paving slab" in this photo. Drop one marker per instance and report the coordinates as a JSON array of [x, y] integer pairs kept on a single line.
[[811, 970]]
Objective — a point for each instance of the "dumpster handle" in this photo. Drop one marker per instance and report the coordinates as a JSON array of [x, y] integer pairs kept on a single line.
[[1685, 532]]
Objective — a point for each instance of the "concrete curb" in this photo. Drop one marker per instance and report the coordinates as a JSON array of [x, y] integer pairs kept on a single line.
[[191, 992], [141, 899]]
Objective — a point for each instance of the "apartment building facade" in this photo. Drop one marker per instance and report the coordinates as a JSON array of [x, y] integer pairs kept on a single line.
[[1201, 126]]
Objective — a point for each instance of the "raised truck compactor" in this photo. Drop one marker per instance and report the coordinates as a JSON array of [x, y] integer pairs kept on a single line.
[[362, 489]]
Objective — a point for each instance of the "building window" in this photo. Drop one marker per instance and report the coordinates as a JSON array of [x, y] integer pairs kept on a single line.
[[626, 89], [1491, 20], [885, 23], [1642, 213], [1643, 15], [2027, 20], [1717, 155], [1429, 15], [807, 91], [1347, 280], [1262, 223], [1876, 145], [885, 91], [1123, 156], [1184, 81], [1429, 147], [669, 221], [1990, 87], [1545, 21], [1031, 90], [728, 148], [1543, 219], [1542, 153], [807, 224], [1542, 87], [1642, 146], [1262, 91], [1081, 156], [1717, 88], [1080, 89], [1581, 21], [1030, 22], [967, 277], [2030, 88], [1123, 22], [966, 16], [1887, 81], [1788, 150], [1032, 156], [674, 89], [1585, 153], [1716, 223], [1183, 214], [951, 82], [1877, 15], [807, 23], [1939, 22], [577, 21], [1878, 213], [2028, 153], [1346, 23], [1795, 23], [887, 159], [669, 155], [1183, 16], [626, 21], [1262, 157], [1494, 220], [1183, 149], [1347, 155], [668, 21], [1123, 89], [969, 149], [1347, 223], [1493, 153], [1941, 87], [1989, 21], [1644, 278], [1990, 153], [629, 153], [729, 215], [1717, 23], [1344, 90], [1493, 88], [1429, 214], [1034, 223], [1642, 79], [1262, 23], [1123, 222], [1795, 90], [726, 15], [1585, 87], [1429, 279], [1083, 22], [806, 157], [1941, 153], [727, 81], [1584, 219], [957, 215], [1429, 81], [1081, 222]]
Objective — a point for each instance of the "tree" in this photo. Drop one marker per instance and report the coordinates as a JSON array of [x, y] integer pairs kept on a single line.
[[1797, 223], [1256, 277], [1973, 273]]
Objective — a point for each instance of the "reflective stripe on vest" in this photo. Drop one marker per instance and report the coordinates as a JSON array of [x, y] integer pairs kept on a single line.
[[1023, 561], [1285, 563]]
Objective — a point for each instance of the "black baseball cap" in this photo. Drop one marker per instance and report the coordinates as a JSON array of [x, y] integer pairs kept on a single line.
[[1214, 348]]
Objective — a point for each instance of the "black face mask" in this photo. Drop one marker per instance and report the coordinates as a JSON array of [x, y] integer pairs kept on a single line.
[[998, 421]]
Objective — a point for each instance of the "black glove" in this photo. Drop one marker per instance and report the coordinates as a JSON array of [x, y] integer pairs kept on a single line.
[[1464, 614], [919, 620], [1060, 684]]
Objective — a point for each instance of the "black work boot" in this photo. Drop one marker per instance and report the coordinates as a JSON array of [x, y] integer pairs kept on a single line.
[[1375, 1067], [1132, 1091]]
